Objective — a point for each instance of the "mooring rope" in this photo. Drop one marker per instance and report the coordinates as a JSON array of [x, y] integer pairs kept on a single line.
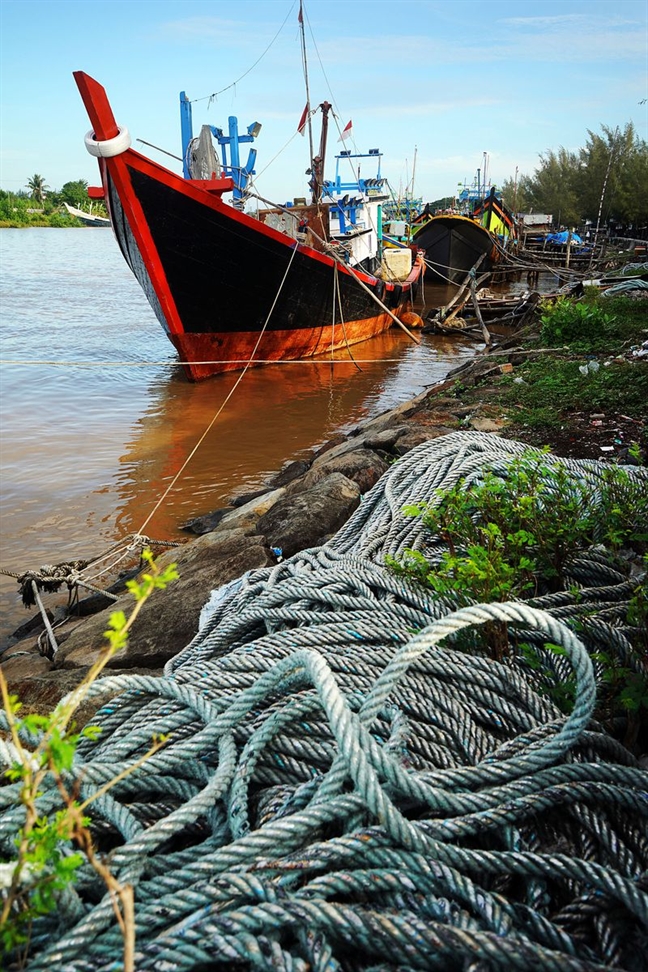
[[349, 785], [51, 577]]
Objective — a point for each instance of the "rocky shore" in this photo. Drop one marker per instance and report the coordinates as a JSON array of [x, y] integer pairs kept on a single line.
[[302, 506]]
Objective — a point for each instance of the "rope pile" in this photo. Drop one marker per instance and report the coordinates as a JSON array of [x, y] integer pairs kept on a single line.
[[343, 793]]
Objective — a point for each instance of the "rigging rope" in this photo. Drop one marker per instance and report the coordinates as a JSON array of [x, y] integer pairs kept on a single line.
[[341, 791], [215, 94]]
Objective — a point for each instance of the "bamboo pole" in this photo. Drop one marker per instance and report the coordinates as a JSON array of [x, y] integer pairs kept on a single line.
[[478, 313], [463, 287]]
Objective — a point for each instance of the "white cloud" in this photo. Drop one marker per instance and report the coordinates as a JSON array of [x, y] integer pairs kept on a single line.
[[570, 21]]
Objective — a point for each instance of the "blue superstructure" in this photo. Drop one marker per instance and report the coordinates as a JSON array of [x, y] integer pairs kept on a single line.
[[231, 167]]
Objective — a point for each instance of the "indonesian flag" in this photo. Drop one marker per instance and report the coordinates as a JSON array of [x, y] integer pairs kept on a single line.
[[345, 132], [301, 128]]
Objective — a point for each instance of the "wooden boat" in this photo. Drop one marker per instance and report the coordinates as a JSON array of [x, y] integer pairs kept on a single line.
[[453, 241], [88, 219], [232, 289], [452, 245], [496, 218]]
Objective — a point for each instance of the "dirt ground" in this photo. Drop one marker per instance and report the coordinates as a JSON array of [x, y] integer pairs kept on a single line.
[[586, 436]]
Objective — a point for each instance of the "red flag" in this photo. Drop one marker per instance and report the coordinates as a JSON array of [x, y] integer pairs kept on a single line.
[[345, 132], [300, 18], [301, 128]]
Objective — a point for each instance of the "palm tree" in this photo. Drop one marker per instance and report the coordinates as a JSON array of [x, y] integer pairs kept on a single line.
[[37, 187]]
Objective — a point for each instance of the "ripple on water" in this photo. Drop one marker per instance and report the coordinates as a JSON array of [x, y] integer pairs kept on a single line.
[[90, 446]]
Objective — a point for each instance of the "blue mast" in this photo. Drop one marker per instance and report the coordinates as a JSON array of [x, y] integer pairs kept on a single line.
[[239, 173]]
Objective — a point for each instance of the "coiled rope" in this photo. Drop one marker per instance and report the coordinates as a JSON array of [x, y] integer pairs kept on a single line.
[[345, 789]]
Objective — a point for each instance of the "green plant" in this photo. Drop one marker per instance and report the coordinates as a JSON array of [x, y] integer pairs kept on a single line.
[[45, 862], [621, 516], [559, 688], [512, 535], [638, 605], [565, 321], [554, 388], [527, 521]]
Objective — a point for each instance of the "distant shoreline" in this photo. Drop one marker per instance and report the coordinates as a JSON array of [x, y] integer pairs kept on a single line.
[[69, 224]]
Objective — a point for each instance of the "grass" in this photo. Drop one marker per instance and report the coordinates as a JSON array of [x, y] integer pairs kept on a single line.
[[596, 330], [552, 387]]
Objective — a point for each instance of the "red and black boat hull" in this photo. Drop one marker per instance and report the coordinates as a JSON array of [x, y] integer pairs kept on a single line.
[[228, 289]]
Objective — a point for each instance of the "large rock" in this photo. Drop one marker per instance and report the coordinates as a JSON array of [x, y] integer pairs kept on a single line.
[[246, 517], [241, 515], [207, 522], [40, 691], [169, 619], [361, 466], [417, 436], [307, 518], [386, 440], [23, 660], [291, 471]]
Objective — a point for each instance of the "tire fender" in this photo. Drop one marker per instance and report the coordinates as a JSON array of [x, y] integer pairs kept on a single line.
[[110, 147]]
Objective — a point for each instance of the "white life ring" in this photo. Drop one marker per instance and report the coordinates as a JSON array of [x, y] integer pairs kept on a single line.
[[111, 146]]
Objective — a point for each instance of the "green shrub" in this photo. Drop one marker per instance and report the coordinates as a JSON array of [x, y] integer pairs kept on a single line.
[[566, 321]]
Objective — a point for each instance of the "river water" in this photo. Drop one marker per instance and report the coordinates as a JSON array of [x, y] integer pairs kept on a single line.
[[96, 418]]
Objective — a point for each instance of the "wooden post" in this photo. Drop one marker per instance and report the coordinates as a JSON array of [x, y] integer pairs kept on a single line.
[[478, 313], [463, 288]]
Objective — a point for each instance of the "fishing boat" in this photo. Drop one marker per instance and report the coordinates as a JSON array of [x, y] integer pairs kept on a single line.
[[232, 288], [88, 219], [453, 241], [453, 244], [496, 218]]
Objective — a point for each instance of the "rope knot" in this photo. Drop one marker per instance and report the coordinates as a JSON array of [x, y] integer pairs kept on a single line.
[[49, 578], [138, 541]]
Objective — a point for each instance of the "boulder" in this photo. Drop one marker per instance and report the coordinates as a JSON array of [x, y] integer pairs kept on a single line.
[[386, 440], [418, 435], [361, 466], [33, 624], [39, 692], [305, 519], [337, 440], [22, 660], [480, 424], [169, 619], [290, 472], [246, 517], [206, 523]]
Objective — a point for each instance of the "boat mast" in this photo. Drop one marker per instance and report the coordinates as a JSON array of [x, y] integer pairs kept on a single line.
[[317, 167], [305, 66], [317, 161], [409, 215]]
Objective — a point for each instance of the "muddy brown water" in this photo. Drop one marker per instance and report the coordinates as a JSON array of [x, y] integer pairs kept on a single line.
[[97, 419]]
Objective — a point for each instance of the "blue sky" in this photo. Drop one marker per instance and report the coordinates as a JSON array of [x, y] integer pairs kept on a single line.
[[438, 86]]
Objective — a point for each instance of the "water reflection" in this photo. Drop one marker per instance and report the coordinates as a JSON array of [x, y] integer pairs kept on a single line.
[[274, 414], [88, 451]]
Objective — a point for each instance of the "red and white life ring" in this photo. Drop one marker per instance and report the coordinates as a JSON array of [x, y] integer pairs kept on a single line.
[[111, 146]]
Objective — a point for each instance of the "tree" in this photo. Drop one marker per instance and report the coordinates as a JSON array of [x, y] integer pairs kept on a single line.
[[37, 187], [614, 166], [606, 180], [552, 187], [13, 208], [75, 193], [516, 194], [446, 203]]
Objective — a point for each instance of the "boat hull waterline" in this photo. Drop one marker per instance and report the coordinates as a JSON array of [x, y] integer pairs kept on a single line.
[[224, 285]]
